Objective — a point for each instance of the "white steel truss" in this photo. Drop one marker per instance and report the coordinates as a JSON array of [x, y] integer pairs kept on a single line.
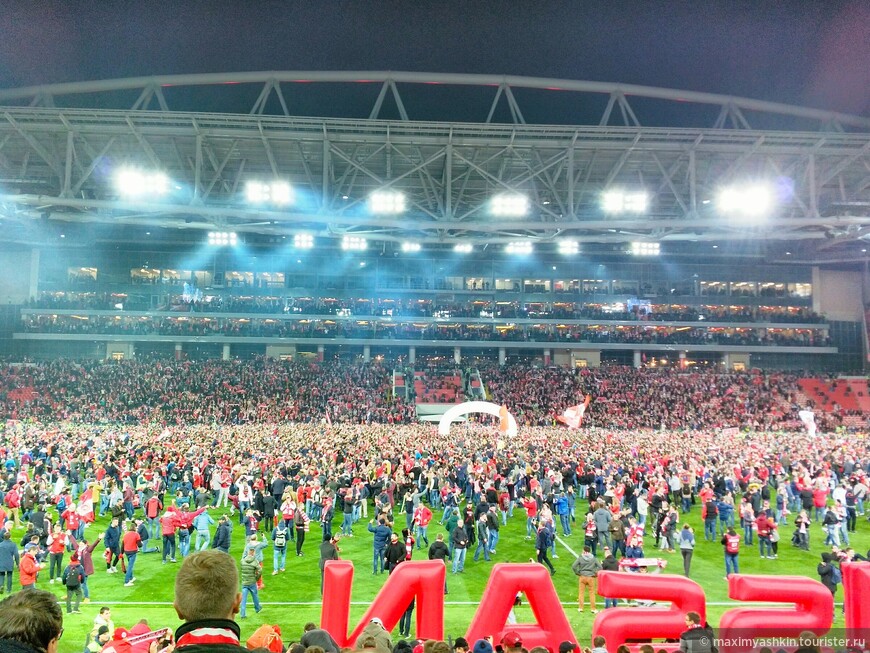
[[150, 92], [57, 163]]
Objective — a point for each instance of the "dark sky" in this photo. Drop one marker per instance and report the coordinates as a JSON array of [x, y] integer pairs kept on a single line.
[[812, 53]]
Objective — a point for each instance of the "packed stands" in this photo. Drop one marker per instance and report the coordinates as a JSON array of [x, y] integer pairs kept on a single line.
[[266, 391]]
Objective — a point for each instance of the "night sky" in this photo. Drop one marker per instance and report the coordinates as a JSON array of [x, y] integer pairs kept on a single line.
[[807, 53]]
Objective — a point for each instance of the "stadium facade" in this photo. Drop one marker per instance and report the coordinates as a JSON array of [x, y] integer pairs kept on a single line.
[[612, 241]]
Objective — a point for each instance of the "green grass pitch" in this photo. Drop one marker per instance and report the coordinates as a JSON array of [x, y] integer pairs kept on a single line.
[[293, 598]]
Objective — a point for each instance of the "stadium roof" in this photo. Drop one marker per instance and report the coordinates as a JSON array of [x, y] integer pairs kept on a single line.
[[61, 145]]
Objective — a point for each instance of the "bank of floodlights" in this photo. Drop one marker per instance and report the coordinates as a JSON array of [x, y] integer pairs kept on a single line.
[[519, 247], [222, 238], [645, 249], [387, 202], [569, 247], [135, 183], [463, 248], [509, 205], [354, 244], [274, 193], [303, 241], [752, 200], [618, 201], [410, 247]]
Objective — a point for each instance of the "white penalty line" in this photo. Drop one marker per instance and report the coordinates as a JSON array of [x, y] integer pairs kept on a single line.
[[565, 544]]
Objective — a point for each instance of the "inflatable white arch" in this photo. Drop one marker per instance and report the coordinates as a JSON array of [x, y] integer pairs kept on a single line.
[[474, 407]]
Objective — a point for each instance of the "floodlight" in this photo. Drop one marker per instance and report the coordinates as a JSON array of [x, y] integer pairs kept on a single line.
[[463, 248], [222, 238], [751, 201], [353, 243], [410, 247], [282, 193], [645, 249], [620, 201], [520, 247], [278, 193], [569, 247], [131, 182], [387, 201], [509, 205], [303, 241]]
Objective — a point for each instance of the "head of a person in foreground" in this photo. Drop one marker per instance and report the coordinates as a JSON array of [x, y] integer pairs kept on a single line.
[[207, 587], [33, 618]]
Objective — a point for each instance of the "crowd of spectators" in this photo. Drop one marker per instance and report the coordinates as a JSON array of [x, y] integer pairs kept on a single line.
[[313, 466], [265, 390], [352, 328], [314, 437], [73, 301], [204, 392], [424, 307], [628, 398]]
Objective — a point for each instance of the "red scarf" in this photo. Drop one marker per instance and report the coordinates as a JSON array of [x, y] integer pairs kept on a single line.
[[215, 631]]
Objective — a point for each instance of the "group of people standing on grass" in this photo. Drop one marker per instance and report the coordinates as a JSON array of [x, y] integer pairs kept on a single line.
[[188, 488]]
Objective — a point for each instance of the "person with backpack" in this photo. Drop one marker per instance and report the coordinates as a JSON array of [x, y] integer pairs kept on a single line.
[[687, 547], [829, 573], [251, 573], [731, 542], [280, 535], [542, 544], [73, 577]]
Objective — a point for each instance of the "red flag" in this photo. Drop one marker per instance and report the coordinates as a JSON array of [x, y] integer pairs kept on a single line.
[[85, 508], [573, 415]]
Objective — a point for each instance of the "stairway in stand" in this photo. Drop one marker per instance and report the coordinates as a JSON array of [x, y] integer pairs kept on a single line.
[[847, 393]]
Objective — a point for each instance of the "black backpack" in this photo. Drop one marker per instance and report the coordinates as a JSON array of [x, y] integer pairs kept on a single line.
[[72, 576]]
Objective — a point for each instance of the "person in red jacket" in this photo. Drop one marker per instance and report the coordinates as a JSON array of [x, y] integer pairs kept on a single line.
[[185, 523], [57, 542], [131, 548], [169, 523], [531, 507], [29, 567], [13, 502], [762, 527], [820, 501], [73, 521], [152, 515], [422, 517], [86, 555]]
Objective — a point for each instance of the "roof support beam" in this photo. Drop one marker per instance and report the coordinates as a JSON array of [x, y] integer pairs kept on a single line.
[[37, 147]]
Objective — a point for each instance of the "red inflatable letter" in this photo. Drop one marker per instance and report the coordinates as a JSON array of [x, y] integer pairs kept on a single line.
[[814, 609], [856, 586], [422, 580], [505, 581], [619, 624]]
